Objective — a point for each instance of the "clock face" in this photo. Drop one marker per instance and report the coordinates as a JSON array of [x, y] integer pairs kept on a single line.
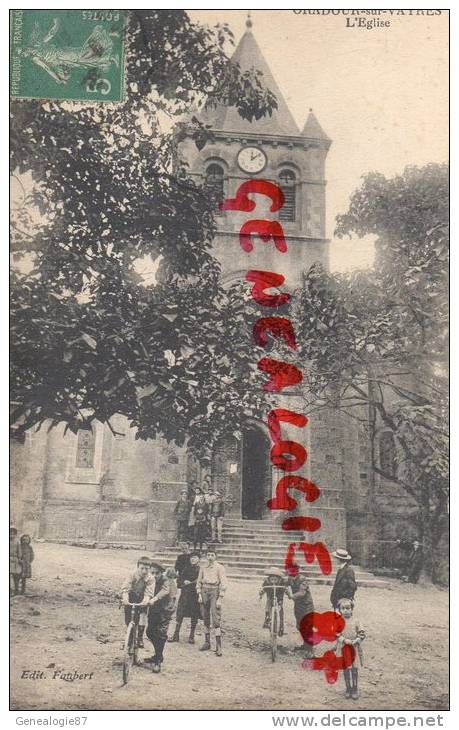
[[251, 159]]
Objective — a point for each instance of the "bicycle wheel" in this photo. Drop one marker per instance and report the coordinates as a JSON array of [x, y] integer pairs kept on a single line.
[[129, 651], [273, 631], [135, 644]]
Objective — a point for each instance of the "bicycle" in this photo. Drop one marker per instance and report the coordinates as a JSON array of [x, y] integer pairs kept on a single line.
[[275, 617], [131, 640]]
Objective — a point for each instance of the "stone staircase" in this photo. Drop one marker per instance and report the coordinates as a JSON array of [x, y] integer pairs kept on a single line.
[[250, 547]]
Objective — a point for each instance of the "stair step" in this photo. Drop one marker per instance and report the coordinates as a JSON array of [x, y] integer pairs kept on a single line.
[[246, 552], [263, 543], [312, 580], [249, 523], [289, 536], [256, 573], [255, 564], [255, 530]]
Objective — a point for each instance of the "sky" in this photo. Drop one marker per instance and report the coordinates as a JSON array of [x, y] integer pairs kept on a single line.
[[381, 94]]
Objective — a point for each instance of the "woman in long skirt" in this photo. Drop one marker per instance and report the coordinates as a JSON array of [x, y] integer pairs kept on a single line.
[[188, 604]]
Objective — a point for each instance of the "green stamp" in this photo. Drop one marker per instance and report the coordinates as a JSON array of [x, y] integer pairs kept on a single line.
[[67, 54]]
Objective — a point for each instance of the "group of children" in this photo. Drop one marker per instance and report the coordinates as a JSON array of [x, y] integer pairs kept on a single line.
[[202, 581], [150, 587], [200, 514], [349, 641], [21, 558], [154, 587]]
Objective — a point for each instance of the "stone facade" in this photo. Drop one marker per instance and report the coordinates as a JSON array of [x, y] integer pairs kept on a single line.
[[104, 489]]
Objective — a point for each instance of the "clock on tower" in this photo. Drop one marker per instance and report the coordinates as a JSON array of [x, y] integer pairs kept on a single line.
[[251, 160]]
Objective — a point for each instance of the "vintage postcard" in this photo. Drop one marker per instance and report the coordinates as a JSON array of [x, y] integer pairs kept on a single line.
[[229, 388]]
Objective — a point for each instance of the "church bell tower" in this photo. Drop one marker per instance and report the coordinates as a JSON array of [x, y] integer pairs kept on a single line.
[[271, 148]]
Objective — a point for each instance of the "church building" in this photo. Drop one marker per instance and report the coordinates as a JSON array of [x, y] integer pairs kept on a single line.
[[104, 489]]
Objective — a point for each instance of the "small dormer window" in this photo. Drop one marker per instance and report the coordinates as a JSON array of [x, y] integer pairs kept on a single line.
[[215, 184], [287, 181]]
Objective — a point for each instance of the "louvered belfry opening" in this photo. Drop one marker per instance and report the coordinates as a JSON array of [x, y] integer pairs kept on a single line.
[[215, 184], [287, 180]]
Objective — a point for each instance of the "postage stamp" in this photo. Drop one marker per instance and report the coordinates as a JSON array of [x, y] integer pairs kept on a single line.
[[67, 54]]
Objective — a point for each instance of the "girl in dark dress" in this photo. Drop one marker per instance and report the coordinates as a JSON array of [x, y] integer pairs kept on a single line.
[[200, 511], [188, 604], [27, 560]]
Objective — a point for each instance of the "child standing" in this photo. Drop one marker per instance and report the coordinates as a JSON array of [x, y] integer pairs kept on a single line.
[[200, 524], [171, 576], [15, 561], [216, 519], [211, 588], [27, 560], [298, 591], [274, 584], [352, 635]]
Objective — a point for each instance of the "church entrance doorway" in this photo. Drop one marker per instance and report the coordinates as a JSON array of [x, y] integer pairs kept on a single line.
[[256, 474]]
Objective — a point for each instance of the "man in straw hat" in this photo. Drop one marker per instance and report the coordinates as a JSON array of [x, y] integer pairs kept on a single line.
[[345, 584]]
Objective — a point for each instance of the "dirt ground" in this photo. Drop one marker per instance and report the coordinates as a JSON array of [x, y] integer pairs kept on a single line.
[[70, 621]]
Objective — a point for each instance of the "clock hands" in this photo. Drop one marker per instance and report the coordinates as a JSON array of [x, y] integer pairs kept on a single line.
[[251, 159]]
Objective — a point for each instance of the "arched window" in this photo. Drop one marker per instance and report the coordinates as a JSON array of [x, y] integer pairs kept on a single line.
[[85, 449], [387, 461], [215, 184], [287, 180]]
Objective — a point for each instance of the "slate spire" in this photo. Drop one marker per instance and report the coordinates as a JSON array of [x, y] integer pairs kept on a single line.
[[227, 119], [312, 128]]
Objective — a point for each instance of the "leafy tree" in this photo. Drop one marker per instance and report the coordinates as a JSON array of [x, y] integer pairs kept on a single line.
[[89, 339], [376, 341]]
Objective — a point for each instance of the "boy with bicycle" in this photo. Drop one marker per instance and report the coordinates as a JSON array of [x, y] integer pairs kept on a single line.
[[274, 585], [160, 612], [138, 587]]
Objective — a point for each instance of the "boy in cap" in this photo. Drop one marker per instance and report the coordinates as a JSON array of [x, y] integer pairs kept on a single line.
[[345, 584], [138, 588], [182, 511], [161, 609], [274, 584], [211, 587]]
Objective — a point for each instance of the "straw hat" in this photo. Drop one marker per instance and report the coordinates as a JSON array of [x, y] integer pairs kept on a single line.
[[275, 571], [342, 554]]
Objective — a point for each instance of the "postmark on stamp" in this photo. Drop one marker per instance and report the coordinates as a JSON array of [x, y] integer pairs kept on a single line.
[[67, 54]]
